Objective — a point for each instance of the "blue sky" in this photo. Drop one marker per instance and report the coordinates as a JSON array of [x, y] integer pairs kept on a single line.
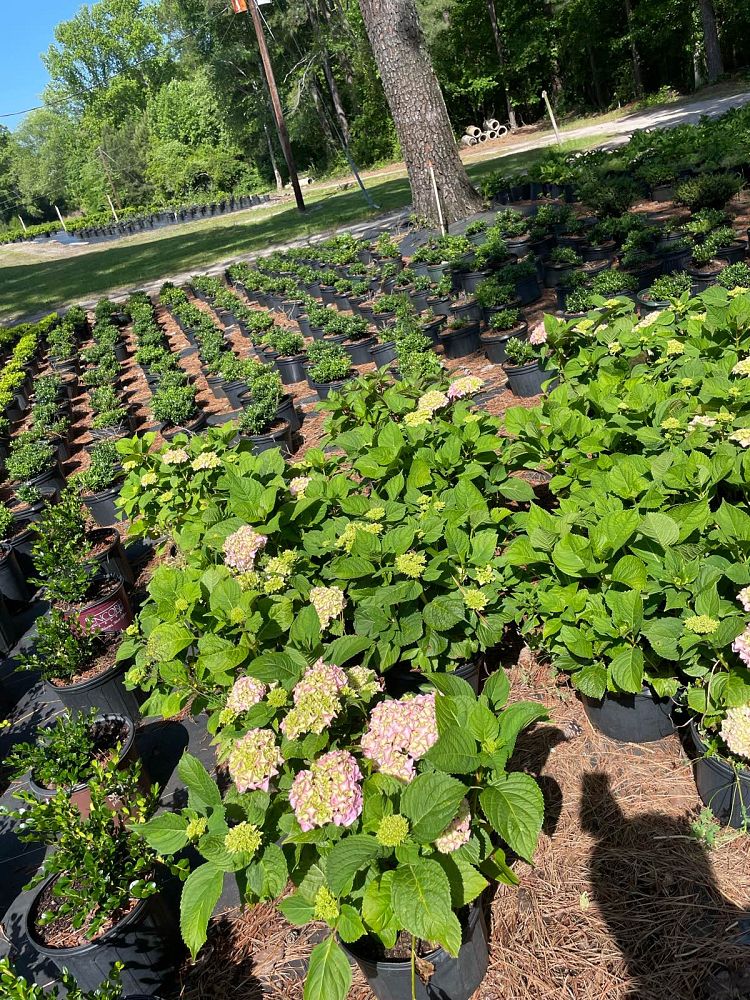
[[27, 32]]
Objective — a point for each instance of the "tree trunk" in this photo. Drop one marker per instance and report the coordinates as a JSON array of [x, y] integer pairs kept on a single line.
[[276, 174], [595, 78], [501, 59], [338, 105], [714, 62], [418, 109], [637, 77]]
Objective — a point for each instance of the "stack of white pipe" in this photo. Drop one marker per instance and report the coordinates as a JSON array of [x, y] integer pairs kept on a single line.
[[492, 130]]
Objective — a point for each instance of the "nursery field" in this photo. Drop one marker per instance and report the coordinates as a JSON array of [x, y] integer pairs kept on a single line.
[[398, 587]]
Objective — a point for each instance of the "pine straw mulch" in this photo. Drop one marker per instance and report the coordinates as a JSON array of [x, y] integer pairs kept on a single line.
[[622, 901]]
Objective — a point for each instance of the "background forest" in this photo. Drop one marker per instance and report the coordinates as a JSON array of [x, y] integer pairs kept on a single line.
[[157, 103]]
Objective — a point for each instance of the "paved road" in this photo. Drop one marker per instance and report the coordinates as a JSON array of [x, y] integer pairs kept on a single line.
[[680, 113]]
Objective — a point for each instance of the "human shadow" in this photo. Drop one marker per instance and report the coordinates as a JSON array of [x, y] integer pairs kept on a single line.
[[533, 747], [654, 886]]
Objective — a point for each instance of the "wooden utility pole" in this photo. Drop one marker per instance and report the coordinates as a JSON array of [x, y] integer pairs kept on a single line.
[[286, 146]]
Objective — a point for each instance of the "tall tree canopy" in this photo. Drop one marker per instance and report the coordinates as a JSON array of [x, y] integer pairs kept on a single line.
[[152, 101]]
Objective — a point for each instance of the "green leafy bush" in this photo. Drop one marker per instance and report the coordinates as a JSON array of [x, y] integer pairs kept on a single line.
[[670, 286], [707, 191], [331, 365]]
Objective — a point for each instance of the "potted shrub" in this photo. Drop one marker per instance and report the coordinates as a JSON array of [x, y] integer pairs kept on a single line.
[[504, 324], [15, 987], [488, 257], [12, 577], [721, 763], [98, 896], [459, 337], [707, 190], [734, 276], [386, 824], [475, 232], [493, 296], [358, 340], [259, 421], [76, 568], [514, 228], [110, 418], [332, 368], [524, 278], [522, 366], [35, 464], [663, 291], [710, 257], [174, 407], [63, 756], [383, 353], [99, 484], [290, 354], [562, 261]]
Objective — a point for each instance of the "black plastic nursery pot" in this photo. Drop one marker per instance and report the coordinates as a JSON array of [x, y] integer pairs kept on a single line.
[[12, 577], [106, 693], [383, 354], [287, 411], [470, 310], [555, 274], [103, 505], [662, 192], [453, 978], [279, 437], [80, 795], [359, 350], [470, 280], [648, 305], [631, 718], [646, 274], [527, 380], [402, 679], [50, 482], [528, 290], [735, 252], [324, 388], [703, 278], [111, 561], [518, 246], [461, 342], [192, 427], [493, 342], [146, 941], [291, 369], [9, 628], [604, 252], [721, 787]]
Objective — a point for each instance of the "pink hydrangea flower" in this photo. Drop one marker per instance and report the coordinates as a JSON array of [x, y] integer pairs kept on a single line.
[[246, 692], [538, 335], [458, 831], [400, 733], [254, 760], [241, 548], [741, 646], [744, 598], [466, 386], [316, 700], [329, 792]]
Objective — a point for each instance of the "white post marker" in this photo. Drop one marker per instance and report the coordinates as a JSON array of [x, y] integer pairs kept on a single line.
[[113, 208], [62, 221], [22, 223], [552, 117], [443, 227]]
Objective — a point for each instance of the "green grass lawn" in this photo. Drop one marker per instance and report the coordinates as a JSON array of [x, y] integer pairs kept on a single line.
[[28, 288]]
